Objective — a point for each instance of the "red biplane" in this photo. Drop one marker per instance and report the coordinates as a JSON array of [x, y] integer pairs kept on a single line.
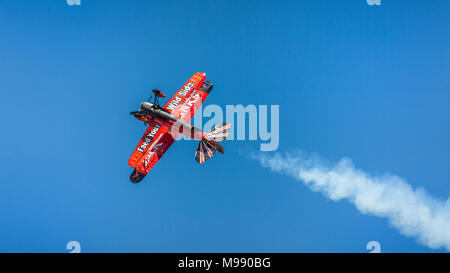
[[166, 123]]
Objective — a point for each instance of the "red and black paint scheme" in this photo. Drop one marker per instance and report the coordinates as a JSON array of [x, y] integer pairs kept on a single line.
[[166, 123]]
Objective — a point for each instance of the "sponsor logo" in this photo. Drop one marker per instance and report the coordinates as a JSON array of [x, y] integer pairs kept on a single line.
[[183, 92], [174, 103], [188, 107], [148, 138], [153, 150]]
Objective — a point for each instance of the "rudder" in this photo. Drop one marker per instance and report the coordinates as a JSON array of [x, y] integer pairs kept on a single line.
[[206, 149]]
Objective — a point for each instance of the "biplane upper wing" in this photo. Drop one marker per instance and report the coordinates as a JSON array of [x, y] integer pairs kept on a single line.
[[189, 98]]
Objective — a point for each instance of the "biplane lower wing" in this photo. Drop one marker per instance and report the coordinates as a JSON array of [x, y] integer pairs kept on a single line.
[[154, 153], [147, 139], [196, 98], [155, 142]]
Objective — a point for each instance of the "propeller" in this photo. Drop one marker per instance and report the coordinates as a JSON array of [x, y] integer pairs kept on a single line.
[[139, 114]]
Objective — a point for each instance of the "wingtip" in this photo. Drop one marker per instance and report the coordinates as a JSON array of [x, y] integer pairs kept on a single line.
[[136, 176]]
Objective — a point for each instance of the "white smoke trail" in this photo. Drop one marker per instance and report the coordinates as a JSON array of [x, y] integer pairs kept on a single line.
[[412, 211]]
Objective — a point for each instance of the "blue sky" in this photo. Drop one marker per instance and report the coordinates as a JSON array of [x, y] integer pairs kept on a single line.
[[367, 82]]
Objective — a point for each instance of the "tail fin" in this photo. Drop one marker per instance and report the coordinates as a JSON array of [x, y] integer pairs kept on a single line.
[[208, 147], [205, 150]]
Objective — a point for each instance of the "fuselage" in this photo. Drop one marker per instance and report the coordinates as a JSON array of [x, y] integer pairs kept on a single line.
[[176, 125]]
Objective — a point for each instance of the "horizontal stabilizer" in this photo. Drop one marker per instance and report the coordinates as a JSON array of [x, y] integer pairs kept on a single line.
[[220, 132]]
